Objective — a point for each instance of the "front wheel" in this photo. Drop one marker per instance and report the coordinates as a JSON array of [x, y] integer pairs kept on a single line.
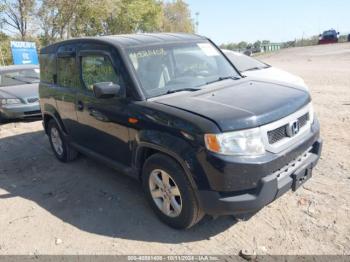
[[2, 119], [169, 192]]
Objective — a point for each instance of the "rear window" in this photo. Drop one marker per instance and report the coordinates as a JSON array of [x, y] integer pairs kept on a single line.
[[67, 73]]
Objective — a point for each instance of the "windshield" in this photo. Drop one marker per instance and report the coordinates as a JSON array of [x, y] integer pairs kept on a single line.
[[330, 33], [243, 62], [167, 68], [19, 77]]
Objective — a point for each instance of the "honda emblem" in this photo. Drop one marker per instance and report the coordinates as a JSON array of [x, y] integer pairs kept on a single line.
[[293, 128]]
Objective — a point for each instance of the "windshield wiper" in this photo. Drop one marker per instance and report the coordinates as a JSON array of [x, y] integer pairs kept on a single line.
[[222, 78], [33, 77], [171, 91], [255, 68], [18, 79]]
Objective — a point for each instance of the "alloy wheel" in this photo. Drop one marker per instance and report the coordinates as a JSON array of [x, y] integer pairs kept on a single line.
[[165, 193], [56, 141]]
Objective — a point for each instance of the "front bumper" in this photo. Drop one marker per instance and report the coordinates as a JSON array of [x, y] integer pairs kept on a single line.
[[20, 111], [269, 188], [241, 186]]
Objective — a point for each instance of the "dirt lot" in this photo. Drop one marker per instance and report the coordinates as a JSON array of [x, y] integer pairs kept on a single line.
[[47, 207]]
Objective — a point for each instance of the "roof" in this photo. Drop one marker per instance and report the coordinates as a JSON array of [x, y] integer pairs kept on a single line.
[[17, 67], [133, 40]]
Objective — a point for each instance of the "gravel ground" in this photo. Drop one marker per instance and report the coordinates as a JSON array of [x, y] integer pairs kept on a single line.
[[85, 208]]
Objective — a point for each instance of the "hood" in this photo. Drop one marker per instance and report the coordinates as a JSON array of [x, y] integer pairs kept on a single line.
[[20, 91], [276, 74], [240, 104]]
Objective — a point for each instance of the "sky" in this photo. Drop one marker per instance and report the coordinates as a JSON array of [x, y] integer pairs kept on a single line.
[[227, 21]]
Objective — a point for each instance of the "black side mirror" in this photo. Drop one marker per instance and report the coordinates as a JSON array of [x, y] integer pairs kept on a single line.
[[106, 89], [338, 33]]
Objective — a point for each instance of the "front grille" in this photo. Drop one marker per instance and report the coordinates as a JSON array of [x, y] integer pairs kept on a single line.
[[32, 99], [277, 134], [303, 120], [281, 132]]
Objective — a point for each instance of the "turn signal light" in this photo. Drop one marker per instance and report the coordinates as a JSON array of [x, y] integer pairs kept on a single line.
[[133, 120], [212, 143]]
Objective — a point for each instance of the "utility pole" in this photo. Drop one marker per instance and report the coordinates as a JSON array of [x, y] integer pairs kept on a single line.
[[197, 22]]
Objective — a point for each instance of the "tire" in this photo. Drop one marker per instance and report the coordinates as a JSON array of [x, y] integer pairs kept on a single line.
[[3, 120], [185, 211], [64, 153]]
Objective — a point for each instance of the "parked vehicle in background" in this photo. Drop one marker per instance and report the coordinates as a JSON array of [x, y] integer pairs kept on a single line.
[[172, 111], [248, 52], [249, 66], [348, 37], [328, 37], [19, 96]]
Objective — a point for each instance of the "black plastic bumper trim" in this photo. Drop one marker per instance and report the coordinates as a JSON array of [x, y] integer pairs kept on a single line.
[[268, 189]]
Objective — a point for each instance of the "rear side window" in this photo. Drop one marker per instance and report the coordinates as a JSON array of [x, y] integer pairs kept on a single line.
[[67, 73], [97, 69], [47, 67]]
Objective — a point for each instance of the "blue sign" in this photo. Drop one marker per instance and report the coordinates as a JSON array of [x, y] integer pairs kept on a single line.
[[24, 53]]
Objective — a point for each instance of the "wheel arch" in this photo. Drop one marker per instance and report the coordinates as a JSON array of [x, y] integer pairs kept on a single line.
[[145, 150], [48, 116]]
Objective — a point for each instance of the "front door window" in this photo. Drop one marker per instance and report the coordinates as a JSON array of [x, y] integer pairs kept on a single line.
[[97, 69]]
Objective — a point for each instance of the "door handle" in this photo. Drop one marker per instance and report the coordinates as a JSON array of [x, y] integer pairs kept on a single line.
[[80, 106]]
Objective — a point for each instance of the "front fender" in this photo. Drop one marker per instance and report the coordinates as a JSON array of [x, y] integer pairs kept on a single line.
[[182, 149]]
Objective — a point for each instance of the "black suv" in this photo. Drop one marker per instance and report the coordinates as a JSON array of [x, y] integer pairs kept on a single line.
[[172, 111]]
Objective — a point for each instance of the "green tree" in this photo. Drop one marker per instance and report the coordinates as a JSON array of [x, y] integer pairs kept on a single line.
[[177, 17], [135, 16], [16, 16], [242, 45], [5, 52], [92, 17], [55, 17], [61, 19], [257, 44]]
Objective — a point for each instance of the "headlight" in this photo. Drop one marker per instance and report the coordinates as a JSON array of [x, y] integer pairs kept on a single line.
[[9, 101], [241, 143]]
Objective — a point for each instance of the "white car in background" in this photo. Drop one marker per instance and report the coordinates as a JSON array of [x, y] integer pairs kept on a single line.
[[249, 66]]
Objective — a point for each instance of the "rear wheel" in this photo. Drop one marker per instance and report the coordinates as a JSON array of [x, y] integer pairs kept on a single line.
[[62, 150], [170, 193]]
